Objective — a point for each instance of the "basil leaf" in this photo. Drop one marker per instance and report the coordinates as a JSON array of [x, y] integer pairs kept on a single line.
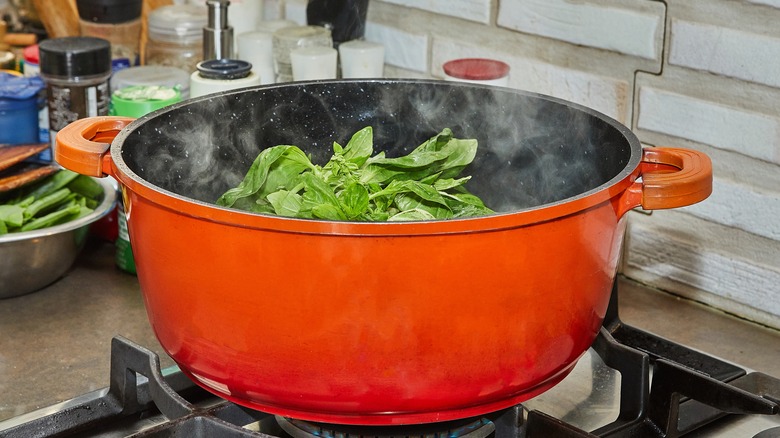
[[360, 146], [354, 200], [273, 168], [286, 203], [411, 215]]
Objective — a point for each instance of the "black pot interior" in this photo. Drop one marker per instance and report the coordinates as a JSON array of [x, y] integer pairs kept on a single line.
[[532, 150]]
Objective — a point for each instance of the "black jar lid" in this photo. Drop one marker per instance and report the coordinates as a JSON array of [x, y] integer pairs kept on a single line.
[[224, 69], [75, 56], [109, 11]]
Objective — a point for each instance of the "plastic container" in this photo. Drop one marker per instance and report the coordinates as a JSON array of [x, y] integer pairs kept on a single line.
[[136, 101], [217, 75], [153, 75], [288, 38], [117, 21], [76, 71], [175, 36], [257, 49], [31, 68], [313, 63], [361, 59], [19, 108], [32, 61]]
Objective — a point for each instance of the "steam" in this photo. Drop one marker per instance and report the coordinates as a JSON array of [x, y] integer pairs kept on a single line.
[[532, 151]]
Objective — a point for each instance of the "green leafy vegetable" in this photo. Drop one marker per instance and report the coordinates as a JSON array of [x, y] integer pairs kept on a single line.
[[356, 186], [59, 198]]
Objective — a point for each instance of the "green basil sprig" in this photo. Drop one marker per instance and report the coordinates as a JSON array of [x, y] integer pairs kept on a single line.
[[356, 186]]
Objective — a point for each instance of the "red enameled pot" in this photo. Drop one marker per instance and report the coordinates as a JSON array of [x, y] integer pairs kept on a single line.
[[380, 323]]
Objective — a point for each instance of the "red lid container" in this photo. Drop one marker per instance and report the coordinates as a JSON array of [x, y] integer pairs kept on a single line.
[[476, 69]]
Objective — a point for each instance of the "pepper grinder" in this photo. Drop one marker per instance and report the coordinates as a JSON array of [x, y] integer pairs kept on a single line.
[[218, 34]]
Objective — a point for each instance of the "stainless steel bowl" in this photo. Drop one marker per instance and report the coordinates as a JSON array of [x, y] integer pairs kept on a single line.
[[33, 259]]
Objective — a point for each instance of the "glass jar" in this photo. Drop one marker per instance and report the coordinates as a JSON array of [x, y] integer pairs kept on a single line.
[[118, 22], [175, 36], [76, 71]]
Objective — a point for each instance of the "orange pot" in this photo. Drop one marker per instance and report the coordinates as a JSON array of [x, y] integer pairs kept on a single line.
[[380, 323]]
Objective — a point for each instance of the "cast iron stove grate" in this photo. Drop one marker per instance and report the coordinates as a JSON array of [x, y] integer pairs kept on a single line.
[[689, 390]]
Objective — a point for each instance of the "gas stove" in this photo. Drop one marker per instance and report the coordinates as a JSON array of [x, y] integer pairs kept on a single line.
[[630, 383]]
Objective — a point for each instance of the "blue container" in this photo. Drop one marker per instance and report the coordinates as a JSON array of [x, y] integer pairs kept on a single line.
[[19, 109]]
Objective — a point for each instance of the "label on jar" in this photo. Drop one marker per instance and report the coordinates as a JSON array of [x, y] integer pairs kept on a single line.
[[124, 252], [70, 103]]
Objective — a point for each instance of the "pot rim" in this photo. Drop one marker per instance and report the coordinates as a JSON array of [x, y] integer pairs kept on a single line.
[[504, 220]]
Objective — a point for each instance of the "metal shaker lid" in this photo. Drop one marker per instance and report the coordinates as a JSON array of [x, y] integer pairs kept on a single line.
[[224, 69]]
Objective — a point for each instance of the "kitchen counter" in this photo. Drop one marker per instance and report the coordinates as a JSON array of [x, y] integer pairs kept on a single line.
[[55, 343]]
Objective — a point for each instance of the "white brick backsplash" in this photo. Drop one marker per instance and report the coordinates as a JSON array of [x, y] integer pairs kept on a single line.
[[601, 93], [627, 31], [750, 133], [774, 3], [724, 51], [742, 207], [474, 10], [657, 256], [402, 49]]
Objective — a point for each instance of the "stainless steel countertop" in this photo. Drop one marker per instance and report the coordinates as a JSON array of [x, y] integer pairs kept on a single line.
[[55, 343]]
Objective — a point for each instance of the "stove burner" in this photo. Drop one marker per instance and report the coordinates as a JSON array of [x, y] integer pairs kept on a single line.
[[473, 428]]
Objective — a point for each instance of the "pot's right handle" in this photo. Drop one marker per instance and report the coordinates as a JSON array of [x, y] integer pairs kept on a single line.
[[83, 145], [670, 178]]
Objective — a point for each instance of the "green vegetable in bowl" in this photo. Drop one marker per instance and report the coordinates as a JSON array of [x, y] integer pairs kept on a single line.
[[59, 198], [356, 186]]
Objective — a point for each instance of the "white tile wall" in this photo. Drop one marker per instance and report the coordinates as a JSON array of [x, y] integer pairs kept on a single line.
[[743, 207], [729, 52], [402, 49], [606, 25], [475, 10], [774, 3], [724, 126], [683, 263]]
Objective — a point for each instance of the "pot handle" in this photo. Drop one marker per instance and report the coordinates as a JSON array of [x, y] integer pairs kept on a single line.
[[670, 178], [83, 145]]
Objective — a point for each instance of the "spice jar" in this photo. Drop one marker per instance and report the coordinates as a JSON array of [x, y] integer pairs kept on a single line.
[[118, 22], [76, 71], [175, 36]]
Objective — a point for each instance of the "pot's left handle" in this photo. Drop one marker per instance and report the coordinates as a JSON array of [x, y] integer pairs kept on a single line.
[[83, 146]]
